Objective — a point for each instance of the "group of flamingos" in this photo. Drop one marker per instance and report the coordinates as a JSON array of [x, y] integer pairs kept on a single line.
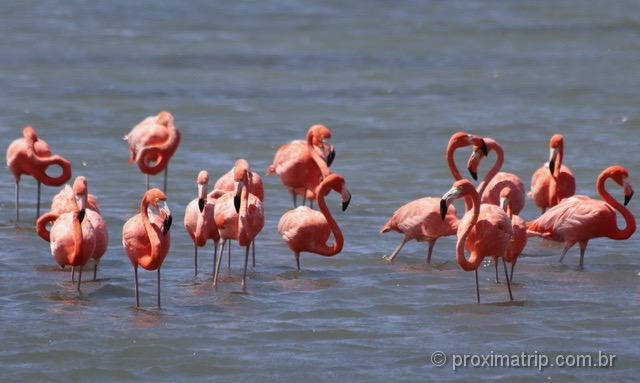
[[234, 210]]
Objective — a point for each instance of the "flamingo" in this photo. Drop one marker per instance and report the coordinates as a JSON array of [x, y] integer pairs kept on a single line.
[[490, 187], [65, 201], [154, 140], [31, 155], [578, 219], [199, 220], [553, 181], [305, 229], [72, 237], [519, 231], [239, 215], [303, 165], [420, 219], [146, 237], [484, 230]]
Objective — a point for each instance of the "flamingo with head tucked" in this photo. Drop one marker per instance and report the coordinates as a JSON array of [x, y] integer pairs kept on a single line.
[[484, 230], [199, 219], [146, 238], [553, 181], [152, 143], [578, 219], [31, 155], [420, 219]]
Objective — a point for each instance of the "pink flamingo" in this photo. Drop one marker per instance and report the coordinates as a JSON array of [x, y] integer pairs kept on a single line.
[[578, 219], [152, 143], [303, 165], [485, 230], [553, 181], [65, 201], [492, 184], [305, 229], [199, 219], [239, 215], [420, 219], [31, 155], [72, 236], [146, 237], [519, 231]]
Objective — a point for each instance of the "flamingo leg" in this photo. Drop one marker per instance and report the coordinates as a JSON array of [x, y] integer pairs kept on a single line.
[[17, 201], [95, 271], [216, 270], [512, 266], [229, 257], [253, 252], [477, 287], [298, 260], [583, 248], [135, 282], [73, 273], [38, 201], [215, 254], [79, 277], [158, 287], [430, 251], [246, 262], [195, 260], [564, 252], [506, 275], [390, 258], [495, 264], [295, 198]]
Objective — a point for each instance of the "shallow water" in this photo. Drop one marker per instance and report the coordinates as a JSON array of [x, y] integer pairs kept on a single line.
[[393, 81]]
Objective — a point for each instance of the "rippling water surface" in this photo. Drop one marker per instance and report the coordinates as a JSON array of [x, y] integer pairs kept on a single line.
[[393, 81]]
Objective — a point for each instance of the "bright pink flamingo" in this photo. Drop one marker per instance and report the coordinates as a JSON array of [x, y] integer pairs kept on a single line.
[[420, 219], [65, 201], [72, 236], [152, 143], [146, 237], [199, 220], [484, 231], [492, 184], [303, 165], [305, 229], [553, 181], [519, 234], [31, 155], [239, 215], [579, 218]]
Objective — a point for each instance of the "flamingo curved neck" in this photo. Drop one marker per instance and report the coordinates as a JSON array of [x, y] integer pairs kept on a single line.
[[474, 261], [333, 225], [495, 169], [616, 233], [160, 154], [154, 240]]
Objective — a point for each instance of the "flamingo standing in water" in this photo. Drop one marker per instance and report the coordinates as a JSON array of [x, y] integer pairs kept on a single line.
[[420, 219], [579, 218], [519, 231], [152, 143], [146, 237], [72, 236], [303, 165], [65, 201], [305, 229], [485, 230], [199, 220], [553, 181], [239, 215], [491, 186], [31, 155]]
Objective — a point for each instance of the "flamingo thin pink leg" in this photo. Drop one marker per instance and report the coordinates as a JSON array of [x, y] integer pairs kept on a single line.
[[506, 275], [158, 287], [135, 282]]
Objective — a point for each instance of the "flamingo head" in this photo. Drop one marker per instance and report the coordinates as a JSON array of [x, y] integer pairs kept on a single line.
[[505, 195], [337, 183], [154, 197], [203, 181], [621, 176], [459, 189], [319, 136], [80, 192], [556, 144], [462, 139], [474, 161]]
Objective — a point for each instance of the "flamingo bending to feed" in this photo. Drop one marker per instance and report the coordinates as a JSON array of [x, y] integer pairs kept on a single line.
[[31, 155], [519, 231], [239, 215], [152, 143], [485, 230], [579, 218], [72, 236], [199, 219], [553, 181], [303, 165], [146, 237], [420, 219], [305, 229]]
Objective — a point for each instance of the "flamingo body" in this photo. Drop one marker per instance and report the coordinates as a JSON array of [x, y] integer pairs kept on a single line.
[[554, 181]]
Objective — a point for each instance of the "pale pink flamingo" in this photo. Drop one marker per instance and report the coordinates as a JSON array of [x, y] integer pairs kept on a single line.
[[199, 220], [553, 181], [303, 165], [32, 156], [490, 187], [306, 230], [146, 237], [578, 219], [239, 215], [72, 237], [519, 234], [484, 230], [152, 143], [420, 219]]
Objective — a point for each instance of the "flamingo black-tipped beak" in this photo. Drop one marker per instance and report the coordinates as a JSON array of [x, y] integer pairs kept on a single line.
[[83, 212], [236, 203], [443, 208], [627, 198], [331, 157], [201, 204], [474, 175], [484, 149], [552, 166], [345, 204], [166, 225]]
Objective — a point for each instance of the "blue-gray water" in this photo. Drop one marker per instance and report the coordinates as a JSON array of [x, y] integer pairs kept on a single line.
[[392, 80]]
